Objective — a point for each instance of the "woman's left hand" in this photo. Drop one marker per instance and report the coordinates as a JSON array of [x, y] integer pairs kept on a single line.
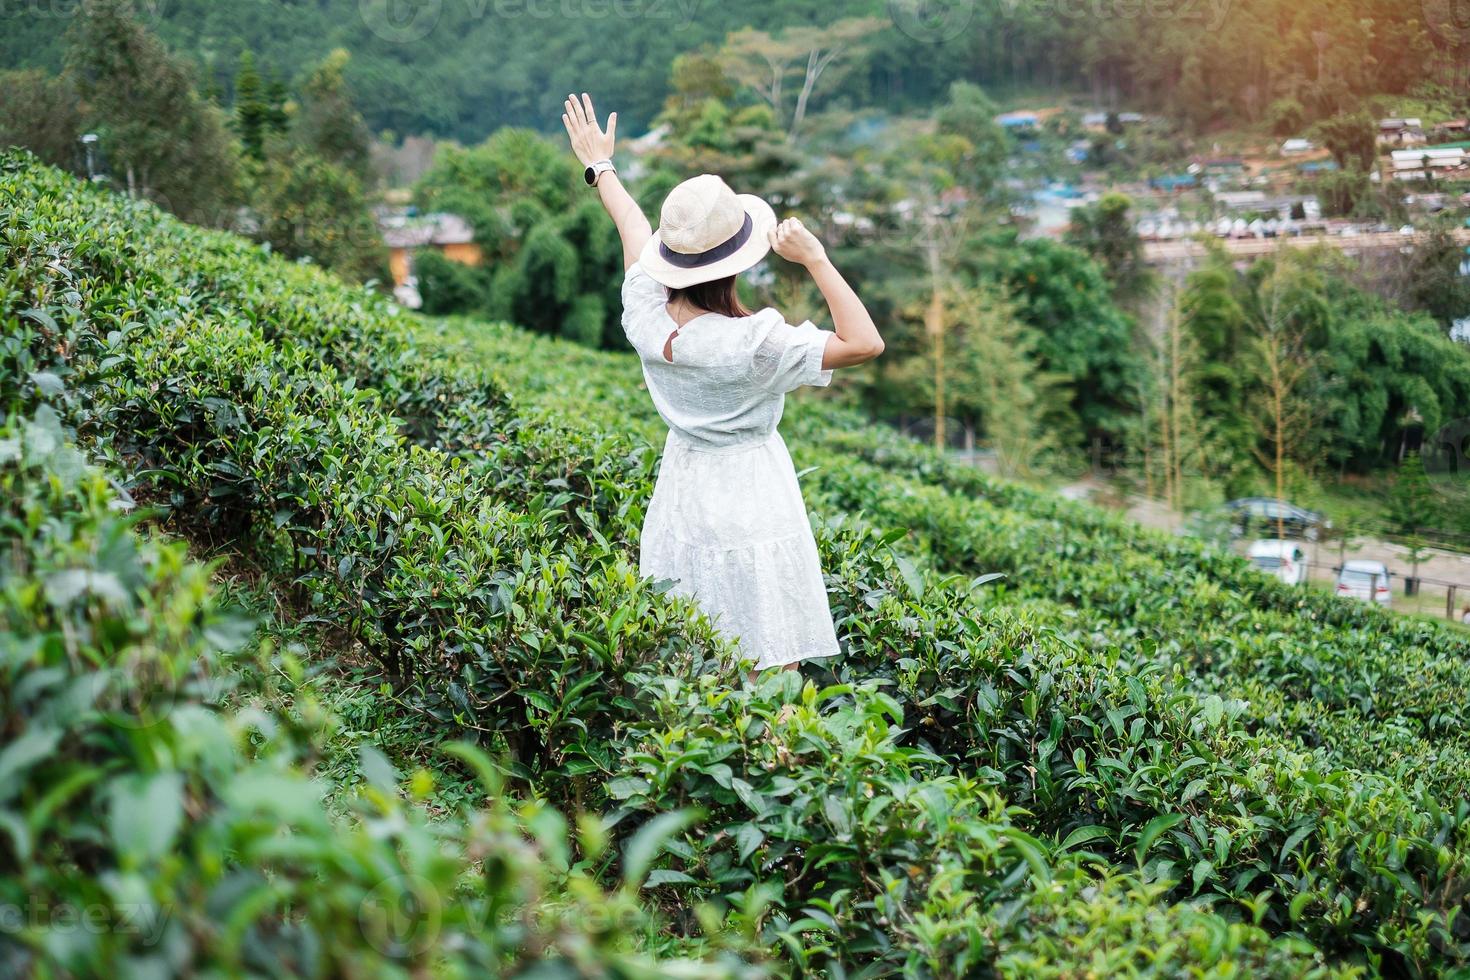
[[589, 142]]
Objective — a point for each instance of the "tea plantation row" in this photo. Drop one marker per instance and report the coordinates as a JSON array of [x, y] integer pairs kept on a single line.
[[981, 788], [1311, 665]]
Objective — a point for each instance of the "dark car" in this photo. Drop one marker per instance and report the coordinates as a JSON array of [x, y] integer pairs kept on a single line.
[[1265, 514]]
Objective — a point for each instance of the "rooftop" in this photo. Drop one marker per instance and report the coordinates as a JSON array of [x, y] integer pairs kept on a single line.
[[417, 231]]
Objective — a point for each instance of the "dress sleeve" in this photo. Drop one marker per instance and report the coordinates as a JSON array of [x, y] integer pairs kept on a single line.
[[788, 357], [642, 300]]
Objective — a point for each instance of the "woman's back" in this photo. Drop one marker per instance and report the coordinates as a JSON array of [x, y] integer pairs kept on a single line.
[[720, 382]]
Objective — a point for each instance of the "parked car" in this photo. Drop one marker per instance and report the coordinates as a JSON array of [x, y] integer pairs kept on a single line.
[[1365, 580], [1272, 514], [1284, 559]]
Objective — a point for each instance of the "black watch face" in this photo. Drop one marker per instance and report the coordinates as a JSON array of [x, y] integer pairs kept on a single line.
[[589, 175]]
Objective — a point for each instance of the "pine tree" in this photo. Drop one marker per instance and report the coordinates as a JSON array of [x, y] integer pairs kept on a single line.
[[252, 113], [1412, 503], [277, 121]]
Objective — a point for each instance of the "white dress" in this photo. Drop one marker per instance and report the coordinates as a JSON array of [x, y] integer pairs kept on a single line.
[[727, 523]]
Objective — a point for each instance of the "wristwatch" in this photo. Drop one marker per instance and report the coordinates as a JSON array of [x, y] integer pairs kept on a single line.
[[596, 169]]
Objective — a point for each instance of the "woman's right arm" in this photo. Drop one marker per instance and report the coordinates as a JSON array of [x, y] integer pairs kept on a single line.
[[857, 340], [591, 144]]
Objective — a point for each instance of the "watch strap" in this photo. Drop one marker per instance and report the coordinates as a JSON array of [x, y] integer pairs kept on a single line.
[[597, 168]]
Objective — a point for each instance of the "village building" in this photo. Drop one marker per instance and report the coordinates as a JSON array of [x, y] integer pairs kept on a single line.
[[448, 234], [1401, 132], [1430, 160], [1098, 121], [1453, 129]]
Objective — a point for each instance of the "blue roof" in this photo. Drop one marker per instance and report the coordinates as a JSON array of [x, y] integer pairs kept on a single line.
[[1173, 181]]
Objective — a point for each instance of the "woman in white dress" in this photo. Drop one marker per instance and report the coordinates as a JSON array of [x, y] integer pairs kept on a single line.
[[726, 523]]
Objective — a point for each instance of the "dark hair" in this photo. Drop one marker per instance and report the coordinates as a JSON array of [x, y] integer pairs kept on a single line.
[[717, 296]]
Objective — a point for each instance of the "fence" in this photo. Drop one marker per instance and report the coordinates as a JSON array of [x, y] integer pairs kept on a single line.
[[1421, 594]]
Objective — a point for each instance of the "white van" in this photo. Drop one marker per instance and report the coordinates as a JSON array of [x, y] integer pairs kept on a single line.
[[1284, 559], [1365, 580]]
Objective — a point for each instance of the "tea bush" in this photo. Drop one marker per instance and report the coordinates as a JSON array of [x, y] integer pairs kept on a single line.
[[148, 830], [1316, 664], [822, 816], [1055, 778]]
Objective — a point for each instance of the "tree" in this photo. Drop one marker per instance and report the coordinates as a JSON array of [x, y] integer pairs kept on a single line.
[[1413, 504], [1082, 335], [1345, 193], [310, 208], [252, 112], [768, 63], [1286, 116], [328, 124], [1219, 384], [986, 372], [168, 144], [1175, 440], [998, 372], [970, 116], [505, 186], [1435, 282], [1352, 139], [555, 259], [40, 112], [277, 118], [1413, 507], [1230, 64], [1105, 231], [1287, 322], [939, 230], [697, 81], [565, 279]]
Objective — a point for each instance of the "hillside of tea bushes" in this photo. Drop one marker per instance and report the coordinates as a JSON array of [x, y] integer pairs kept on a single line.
[[325, 653]]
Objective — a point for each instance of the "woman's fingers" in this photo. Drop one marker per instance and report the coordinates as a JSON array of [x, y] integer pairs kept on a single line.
[[612, 125], [575, 109], [587, 104]]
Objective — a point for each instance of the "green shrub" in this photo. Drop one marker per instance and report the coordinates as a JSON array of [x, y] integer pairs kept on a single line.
[[148, 830], [448, 286]]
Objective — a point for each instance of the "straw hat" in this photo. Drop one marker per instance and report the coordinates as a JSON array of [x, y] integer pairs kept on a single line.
[[706, 231]]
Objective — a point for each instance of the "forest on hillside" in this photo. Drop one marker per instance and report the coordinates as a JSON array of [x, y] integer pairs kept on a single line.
[[463, 68]]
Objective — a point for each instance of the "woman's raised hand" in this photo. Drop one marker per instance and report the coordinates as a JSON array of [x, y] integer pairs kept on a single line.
[[791, 240], [589, 142]]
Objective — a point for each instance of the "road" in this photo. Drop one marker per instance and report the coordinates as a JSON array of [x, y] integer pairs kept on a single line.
[[1165, 253]]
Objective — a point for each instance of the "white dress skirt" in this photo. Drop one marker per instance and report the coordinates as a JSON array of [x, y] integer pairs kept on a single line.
[[727, 524]]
